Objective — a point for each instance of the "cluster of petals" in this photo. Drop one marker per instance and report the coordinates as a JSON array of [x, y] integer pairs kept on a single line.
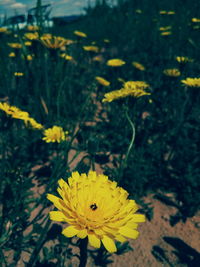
[[55, 134], [130, 88], [115, 62], [191, 82], [53, 42], [91, 48], [172, 72], [95, 207]]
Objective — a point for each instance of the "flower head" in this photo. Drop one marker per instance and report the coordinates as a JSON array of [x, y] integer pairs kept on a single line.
[[91, 48], [184, 59], [53, 42], [102, 81], [15, 45], [96, 208], [12, 54], [138, 66], [2, 29], [115, 62], [166, 33], [172, 72], [18, 74], [130, 88], [191, 82], [31, 36], [55, 134], [80, 34], [195, 20], [32, 28]]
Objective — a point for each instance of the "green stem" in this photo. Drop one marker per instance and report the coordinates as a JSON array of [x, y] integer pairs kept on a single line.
[[83, 252]]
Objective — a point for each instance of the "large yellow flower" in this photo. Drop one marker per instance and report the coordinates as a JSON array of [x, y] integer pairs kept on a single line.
[[54, 134], [96, 208], [191, 82], [115, 62]]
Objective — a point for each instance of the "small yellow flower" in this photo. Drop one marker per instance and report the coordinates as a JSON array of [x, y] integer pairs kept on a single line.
[[28, 43], [138, 66], [115, 62], [130, 88], [15, 45], [191, 82], [184, 59], [31, 36], [55, 134], [102, 81], [32, 28], [18, 74], [2, 29], [163, 12], [80, 34], [172, 72], [91, 48], [95, 207], [98, 58], [106, 41], [195, 20], [166, 33], [12, 54], [29, 57], [53, 42], [171, 12], [166, 28]]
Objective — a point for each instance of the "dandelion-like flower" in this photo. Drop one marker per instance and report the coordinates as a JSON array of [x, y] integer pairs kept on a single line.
[[31, 36], [53, 42], [12, 54], [102, 81], [130, 88], [32, 28], [191, 82], [97, 208], [15, 45], [66, 57], [18, 74], [166, 33], [115, 62], [166, 28], [138, 66], [184, 59], [172, 72], [91, 48], [55, 134], [27, 43], [80, 34], [3, 30], [195, 20]]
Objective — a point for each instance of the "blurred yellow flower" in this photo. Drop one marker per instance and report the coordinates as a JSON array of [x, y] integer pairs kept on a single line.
[[28, 43], [166, 33], [102, 81], [80, 34], [163, 12], [32, 28], [55, 134], [172, 72], [2, 29], [29, 57], [91, 48], [18, 74], [191, 82], [171, 12], [53, 42], [95, 207], [195, 20], [12, 54], [115, 62], [130, 88], [66, 57], [31, 36], [138, 66], [15, 45], [166, 28], [98, 58], [184, 59]]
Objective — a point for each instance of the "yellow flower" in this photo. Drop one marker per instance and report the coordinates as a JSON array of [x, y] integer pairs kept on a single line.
[[15, 45], [184, 59], [130, 88], [196, 20], [53, 42], [18, 74], [66, 57], [166, 33], [166, 28], [6, 108], [102, 81], [55, 134], [98, 58], [80, 34], [171, 12], [163, 12], [115, 62], [172, 72], [31, 36], [32, 28], [29, 57], [138, 66], [2, 29], [91, 48], [12, 54], [191, 82], [28, 43], [97, 208]]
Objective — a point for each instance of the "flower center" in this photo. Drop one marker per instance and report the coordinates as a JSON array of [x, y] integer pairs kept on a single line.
[[93, 206]]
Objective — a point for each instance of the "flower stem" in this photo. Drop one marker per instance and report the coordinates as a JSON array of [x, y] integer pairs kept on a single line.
[[83, 252]]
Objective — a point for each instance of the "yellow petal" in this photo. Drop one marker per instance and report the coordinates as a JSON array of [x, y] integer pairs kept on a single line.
[[82, 233], [120, 238], [55, 200], [57, 216], [109, 244], [128, 232], [138, 218], [94, 241], [70, 231]]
